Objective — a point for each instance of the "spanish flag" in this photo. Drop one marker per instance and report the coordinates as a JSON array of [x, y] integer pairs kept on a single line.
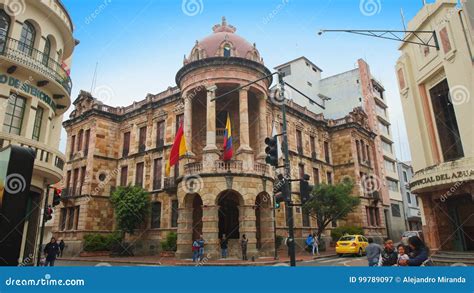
[[228, 151], [179, 149]]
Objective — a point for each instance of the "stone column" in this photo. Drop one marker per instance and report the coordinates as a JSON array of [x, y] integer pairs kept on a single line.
[[210, 151], [185, 233], [210, 231], [244, 153], [267, 239], [188, 125], [248, 227], [262, 126]]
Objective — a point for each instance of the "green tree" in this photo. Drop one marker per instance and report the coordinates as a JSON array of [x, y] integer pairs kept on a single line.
[[131, 205], [331, 203]]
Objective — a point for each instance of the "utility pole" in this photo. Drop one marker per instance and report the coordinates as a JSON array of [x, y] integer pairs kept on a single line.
[[43, 220], [287, 189]]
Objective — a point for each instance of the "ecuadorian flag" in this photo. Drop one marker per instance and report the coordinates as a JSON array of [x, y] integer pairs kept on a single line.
[[228, 150]]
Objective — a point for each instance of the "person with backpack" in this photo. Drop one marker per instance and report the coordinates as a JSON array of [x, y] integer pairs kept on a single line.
[[195, 250], [309, 242]]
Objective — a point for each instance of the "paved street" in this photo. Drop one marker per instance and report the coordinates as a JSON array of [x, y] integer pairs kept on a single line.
[[335, 261]]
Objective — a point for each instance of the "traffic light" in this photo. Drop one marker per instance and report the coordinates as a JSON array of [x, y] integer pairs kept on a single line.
[[57, 197], [279, 190], [305, 189], [48, 213], [272, 151]]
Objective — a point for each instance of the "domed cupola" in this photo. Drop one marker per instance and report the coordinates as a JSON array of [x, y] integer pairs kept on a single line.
[[224, 42]]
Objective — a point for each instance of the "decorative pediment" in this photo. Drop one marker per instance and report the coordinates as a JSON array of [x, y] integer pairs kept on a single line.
[[179, 108], [160, 115]]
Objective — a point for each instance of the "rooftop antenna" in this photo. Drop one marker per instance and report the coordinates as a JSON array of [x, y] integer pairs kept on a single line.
[[94, 78]]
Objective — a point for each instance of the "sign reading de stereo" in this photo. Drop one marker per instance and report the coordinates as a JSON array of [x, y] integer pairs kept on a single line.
[[27, 88]]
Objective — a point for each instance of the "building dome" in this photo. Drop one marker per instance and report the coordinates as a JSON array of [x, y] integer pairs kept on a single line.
[[224, 43]]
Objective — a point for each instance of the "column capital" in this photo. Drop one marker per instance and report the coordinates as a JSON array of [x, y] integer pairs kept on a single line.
[[211, 88]]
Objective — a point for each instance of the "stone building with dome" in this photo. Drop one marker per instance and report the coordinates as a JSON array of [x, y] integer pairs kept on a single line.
[[117, 146]]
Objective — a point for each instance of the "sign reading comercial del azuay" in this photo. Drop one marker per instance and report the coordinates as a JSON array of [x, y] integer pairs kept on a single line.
[[442, 178]]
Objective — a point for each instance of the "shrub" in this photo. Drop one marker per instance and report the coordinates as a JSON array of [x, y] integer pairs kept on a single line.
[[100, 242], [338, 232], [170, 242]]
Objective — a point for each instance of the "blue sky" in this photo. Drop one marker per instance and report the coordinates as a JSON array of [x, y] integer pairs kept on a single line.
[[139, 45]]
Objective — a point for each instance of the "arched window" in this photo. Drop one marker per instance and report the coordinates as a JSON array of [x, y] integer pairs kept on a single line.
[[47, 51], [27, 39], [4, 27], [227, 51]]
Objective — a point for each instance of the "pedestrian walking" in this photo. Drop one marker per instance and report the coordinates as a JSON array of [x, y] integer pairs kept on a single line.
[[195, 250], [61, 247], [315, 244], [309, 242], [419, 253], [224, 246], [201, 243], [389, 256], [373, 251], [243, 244], [51, 251]]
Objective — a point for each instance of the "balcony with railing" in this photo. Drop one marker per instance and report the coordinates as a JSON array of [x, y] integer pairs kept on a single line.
[[22, 54], [49, 161], [233, 166]]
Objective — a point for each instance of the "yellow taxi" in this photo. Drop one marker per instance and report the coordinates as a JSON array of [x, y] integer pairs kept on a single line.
[[351, 244]]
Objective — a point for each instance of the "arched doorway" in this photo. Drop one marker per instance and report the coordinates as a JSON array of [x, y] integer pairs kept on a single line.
[[229, 202], [197, 217], [263, 213]]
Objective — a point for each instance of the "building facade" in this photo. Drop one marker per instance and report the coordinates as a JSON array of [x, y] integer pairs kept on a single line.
[[436, 88], [36, 46], [117, 146], [411, 204]]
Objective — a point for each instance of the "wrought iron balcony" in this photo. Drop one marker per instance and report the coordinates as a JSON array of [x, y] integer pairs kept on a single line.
[[169, 184], [30, 57]]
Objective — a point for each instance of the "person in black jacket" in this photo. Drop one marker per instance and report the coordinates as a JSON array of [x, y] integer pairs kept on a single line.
[[388, 256], [51, 251], [224, 244], [419, 252]]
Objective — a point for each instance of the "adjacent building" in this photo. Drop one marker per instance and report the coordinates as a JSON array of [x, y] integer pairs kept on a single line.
[[436, 89], [36, 47], [117, 146], [411, 205]]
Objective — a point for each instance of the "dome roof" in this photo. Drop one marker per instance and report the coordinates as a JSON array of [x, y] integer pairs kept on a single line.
[[223, 43]]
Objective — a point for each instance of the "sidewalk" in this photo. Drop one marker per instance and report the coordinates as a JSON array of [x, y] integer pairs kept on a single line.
[[168, 261]]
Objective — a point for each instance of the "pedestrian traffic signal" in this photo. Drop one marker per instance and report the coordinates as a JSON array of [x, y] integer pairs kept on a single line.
[[57, 197], [48, 213], [272, 151], [305, 189]]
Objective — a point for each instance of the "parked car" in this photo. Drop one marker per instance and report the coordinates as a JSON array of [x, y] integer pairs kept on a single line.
[[408, 234], [351, 244]]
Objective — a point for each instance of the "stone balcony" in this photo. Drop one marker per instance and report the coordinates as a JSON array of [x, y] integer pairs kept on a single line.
[[49, 162], [222, 167]]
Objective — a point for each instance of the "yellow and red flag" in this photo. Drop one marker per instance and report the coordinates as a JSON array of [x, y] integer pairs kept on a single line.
[[179, 149]]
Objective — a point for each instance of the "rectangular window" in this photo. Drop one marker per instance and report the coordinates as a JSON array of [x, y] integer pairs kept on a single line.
[[174, 213], [14, 115], [68, 179], [73, 145], [86, 143], [396, 210], [385, 129], [389, 165], [124, 176], [63, 219], [37, 124], [408, 197], [179, 120], [358, 151], [299, 142], [70, 218], [301, 170], [126, 144], [329, 177], [387, 147], [160, 134], [373, 216], [306, 219], [142, 139], [417, 202], [285, 71], [83, 178], [75, 176], [139, 174], [369, 161], [392, 185], [76, 218], [79, 140], [156, 215], [312, 141], [405, 176], [326, 152], [315, 175], [157, 174]]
